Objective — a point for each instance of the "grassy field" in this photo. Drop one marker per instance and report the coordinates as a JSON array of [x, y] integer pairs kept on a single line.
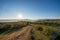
[[45, 30]]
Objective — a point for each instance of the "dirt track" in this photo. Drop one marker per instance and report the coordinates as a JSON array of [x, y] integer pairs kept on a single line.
[[24, 34]]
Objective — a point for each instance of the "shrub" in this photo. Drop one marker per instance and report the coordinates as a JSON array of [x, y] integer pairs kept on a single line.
[[40, 28]]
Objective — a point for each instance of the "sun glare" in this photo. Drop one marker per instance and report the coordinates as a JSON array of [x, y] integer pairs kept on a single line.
[[20, 16]]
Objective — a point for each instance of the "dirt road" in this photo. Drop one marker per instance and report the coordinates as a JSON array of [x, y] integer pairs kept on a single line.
[[24, 34]]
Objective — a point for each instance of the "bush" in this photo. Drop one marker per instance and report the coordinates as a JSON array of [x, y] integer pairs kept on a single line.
[[40, 28], [5, 27]]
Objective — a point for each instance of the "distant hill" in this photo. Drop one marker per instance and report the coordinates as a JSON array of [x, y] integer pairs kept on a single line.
[[48, 20]]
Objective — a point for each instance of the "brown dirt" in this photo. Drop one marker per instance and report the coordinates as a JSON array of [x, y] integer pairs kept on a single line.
[[24, 34]]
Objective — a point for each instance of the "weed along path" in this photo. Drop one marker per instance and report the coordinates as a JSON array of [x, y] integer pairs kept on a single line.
[[24, 34]]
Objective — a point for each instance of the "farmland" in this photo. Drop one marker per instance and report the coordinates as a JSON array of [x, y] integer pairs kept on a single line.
[[26, 30]]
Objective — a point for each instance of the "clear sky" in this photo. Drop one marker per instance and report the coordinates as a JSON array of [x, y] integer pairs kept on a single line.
[[30, 9]]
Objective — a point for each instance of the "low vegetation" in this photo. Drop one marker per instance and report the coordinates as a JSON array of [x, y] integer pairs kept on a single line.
[[45, 30]]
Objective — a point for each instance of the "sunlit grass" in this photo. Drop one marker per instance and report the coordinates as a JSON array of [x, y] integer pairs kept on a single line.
[[47, 31]]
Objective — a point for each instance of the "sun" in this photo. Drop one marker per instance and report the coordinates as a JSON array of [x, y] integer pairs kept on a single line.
[[20, 16]]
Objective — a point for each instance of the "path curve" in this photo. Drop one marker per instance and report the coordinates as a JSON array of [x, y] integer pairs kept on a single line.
[[24, 34]]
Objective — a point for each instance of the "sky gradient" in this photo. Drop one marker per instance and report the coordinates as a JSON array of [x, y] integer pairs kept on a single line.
[[30, 9]]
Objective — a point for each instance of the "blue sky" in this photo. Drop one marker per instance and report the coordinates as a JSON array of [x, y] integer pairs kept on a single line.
[[30, 9]]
